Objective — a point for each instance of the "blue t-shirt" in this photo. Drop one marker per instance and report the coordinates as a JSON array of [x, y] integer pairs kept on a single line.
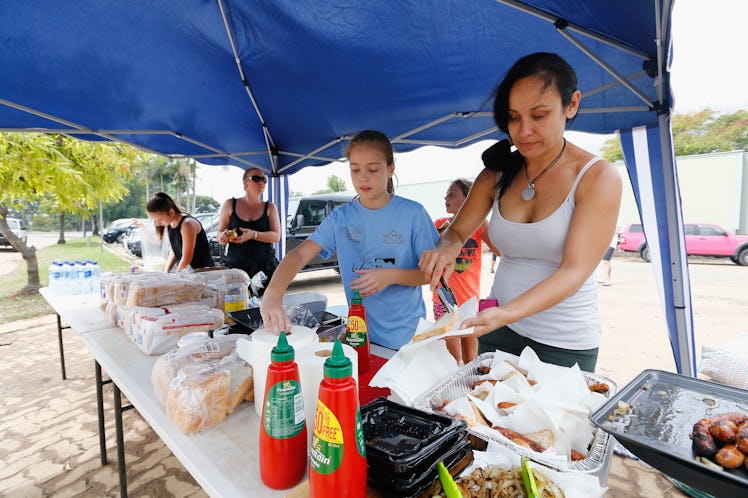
[[391, 237]]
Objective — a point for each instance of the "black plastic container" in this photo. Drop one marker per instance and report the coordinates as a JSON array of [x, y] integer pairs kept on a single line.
[[249, 320], [416, 484], [400, 433], [666, 406]]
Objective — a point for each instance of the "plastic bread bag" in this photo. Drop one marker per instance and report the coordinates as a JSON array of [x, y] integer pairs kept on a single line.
[[163, 290], [222, 276], [242, 381], [159, 334], [167, 365], [257, 282], [198, 396], [134, 316], [300, 315], [119, 286]]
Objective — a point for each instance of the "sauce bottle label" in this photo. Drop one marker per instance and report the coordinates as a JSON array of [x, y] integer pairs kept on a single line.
[[356, 331], [284, 410], [326, 453], [360, 441]]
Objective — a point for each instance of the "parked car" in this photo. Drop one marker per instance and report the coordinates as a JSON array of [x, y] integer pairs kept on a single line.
[[702, 239], [117, 230], [19, 230], [310, 212], [131, 242]]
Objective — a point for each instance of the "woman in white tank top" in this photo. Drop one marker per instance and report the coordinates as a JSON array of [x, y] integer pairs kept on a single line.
[[554, 209]]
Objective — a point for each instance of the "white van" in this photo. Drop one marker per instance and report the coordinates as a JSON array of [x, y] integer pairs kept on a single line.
[[19, 230]]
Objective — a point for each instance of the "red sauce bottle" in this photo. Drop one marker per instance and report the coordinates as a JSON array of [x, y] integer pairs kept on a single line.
[[283, 451], [337, 458], [357, 332]]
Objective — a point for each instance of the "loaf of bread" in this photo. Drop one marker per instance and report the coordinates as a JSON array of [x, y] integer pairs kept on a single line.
[[159, 334], [198, 397], [202, 384], [166, 289]]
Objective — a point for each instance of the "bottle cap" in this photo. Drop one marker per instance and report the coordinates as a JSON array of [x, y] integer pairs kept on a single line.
[[282, 351], [356, 297], [338, 365]]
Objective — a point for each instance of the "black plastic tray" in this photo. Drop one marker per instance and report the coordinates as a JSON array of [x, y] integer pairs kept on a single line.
[[666, 406], [417, 484], [416, 466], [402, 434], [250, 318]]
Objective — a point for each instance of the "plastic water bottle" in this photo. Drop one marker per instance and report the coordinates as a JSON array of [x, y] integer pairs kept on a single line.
[[95, 276], [68, 278], [80, 285], [55, 277], [87, 273]]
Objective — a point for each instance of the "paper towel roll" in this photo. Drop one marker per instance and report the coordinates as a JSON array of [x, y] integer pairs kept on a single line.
[[311, 360], [262, 343]]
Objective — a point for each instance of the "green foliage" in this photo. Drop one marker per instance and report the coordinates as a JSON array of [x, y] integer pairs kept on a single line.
[[206, 204], [334, 184], [700, 132], [17, 307]]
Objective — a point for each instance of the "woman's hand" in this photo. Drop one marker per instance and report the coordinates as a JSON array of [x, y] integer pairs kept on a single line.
[[274, 316], [435, 263], [486, 321], [223, 237], [371, 281]]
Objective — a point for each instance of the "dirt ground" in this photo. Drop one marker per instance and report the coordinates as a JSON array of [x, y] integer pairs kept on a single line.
[[49, 444]]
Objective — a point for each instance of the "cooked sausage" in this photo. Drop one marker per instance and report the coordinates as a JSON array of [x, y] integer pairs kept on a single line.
[[601, 388], [736, 417], [703, 442], [503, 405], [519, 439], [724, 431], [729, 457], [575, 456], [742, 438]]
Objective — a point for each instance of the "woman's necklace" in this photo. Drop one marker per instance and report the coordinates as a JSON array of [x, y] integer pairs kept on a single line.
[[529, 192]]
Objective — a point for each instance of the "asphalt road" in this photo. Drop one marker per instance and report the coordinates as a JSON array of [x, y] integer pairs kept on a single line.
[[9, 257]]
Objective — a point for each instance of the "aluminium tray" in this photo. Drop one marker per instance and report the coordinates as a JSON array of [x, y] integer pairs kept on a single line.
[[666, 406], [460, 384]]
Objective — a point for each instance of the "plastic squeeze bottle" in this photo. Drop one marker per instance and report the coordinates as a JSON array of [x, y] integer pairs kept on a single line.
[[357, 333], [283, 451], [337, 458]]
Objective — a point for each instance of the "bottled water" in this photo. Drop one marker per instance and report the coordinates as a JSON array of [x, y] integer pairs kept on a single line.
[[85, 282], [68, 278], [80, 282], [95, 275], [56, 277]]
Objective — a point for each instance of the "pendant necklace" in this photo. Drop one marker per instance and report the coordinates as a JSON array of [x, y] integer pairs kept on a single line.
[[529, 192]]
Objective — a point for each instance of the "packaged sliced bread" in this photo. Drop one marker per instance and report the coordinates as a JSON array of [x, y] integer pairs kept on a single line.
[[198, 397], [159, 334]]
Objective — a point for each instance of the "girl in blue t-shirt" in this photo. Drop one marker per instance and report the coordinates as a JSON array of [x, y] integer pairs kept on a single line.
[[378, 238]]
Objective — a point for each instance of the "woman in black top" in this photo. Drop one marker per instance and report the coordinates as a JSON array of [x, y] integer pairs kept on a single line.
[[189, 245], [250, 226]]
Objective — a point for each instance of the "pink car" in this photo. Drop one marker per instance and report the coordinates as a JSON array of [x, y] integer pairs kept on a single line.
[[702, 239]]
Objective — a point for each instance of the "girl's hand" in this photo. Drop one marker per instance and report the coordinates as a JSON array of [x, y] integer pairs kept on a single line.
[[371, 281], [486, 321], [274, 318], [435, 263]]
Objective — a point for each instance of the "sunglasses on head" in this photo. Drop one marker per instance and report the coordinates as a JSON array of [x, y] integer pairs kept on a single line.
[[257, 178]]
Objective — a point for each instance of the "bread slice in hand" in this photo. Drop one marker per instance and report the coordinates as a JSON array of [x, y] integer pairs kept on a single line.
[[443, 324]]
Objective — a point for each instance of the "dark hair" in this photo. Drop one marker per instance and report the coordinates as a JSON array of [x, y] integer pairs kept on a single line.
[[554, 71], [161, 203], [463, 184], [379, 139]]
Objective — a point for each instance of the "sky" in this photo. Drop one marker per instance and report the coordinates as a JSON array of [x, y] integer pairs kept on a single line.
[[709, 43]]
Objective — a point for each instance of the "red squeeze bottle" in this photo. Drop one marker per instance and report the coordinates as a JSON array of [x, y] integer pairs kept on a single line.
[[357, 333], [337, 458], [283, 452]]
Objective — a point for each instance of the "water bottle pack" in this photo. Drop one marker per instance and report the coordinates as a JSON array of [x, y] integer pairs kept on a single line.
[[74, 277]]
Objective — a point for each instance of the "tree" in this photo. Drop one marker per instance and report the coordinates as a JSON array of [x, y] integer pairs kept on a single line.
[[700, 132], [69, 174], [205, 204], [334, 184]]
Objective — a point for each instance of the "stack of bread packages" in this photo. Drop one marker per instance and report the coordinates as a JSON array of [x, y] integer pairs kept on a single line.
[[201, 384], [156, 309]]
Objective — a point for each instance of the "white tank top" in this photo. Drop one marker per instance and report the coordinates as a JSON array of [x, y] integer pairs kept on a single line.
[[530, 253]]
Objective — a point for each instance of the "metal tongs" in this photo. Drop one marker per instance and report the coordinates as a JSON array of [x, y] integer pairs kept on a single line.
[[446, 296]]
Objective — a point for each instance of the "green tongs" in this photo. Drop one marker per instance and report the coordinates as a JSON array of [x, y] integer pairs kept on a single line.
[[448, 484], [531, 488]]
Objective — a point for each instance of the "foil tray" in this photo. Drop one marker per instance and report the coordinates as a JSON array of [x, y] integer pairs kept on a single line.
[[600, 451], [666, 406]]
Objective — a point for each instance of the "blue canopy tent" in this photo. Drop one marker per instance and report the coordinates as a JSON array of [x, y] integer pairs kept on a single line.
[[281, 84]]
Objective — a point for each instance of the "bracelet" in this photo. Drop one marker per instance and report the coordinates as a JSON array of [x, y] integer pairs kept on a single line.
[[255, 235]]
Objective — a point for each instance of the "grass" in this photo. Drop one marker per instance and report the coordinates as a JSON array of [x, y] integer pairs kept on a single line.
[[18, 307]]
